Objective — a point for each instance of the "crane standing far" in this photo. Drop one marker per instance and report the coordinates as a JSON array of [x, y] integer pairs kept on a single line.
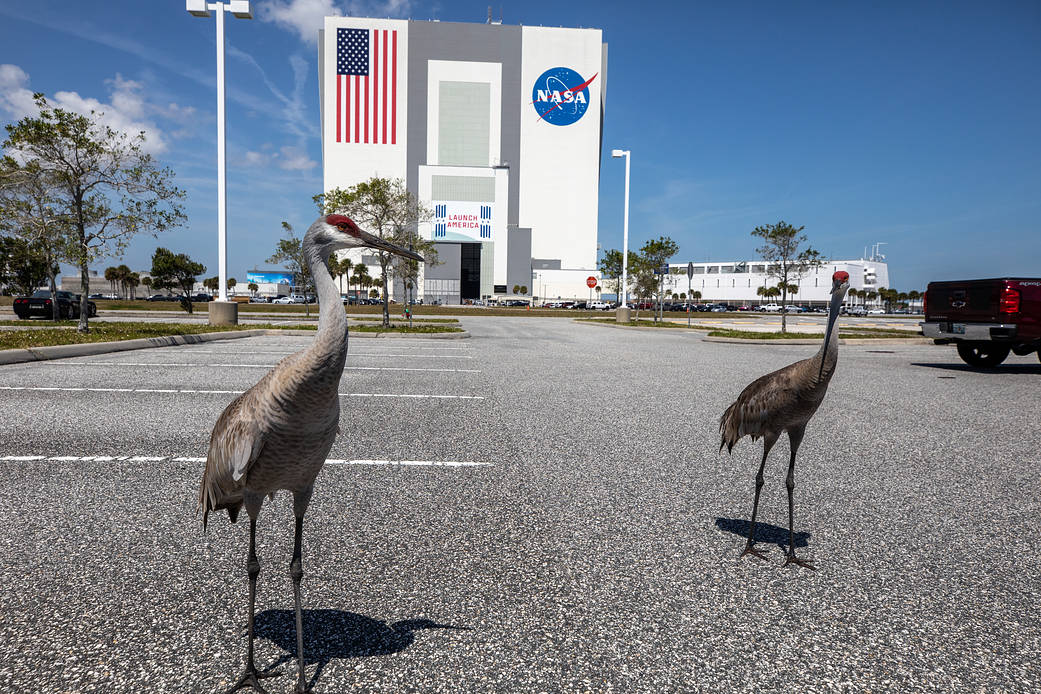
[[278, 433], [781, 401]]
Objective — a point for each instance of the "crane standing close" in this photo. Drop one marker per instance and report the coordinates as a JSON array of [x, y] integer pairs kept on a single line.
[[784, 401], [278, 433]]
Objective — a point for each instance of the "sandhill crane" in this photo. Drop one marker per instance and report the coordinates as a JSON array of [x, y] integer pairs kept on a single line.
[[781, 401], [277, 434]]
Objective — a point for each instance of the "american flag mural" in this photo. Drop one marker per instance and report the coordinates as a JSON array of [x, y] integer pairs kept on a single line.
[[367, 86]]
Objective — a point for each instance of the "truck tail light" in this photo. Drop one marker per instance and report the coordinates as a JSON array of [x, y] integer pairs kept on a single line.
[[1009, 301]]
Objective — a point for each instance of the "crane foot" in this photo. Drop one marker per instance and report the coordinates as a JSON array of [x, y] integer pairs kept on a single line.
[[749, 549], [251, 678], [805, 563]]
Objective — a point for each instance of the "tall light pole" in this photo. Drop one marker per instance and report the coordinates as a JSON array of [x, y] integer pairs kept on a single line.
[[221, 315], [623, 304]]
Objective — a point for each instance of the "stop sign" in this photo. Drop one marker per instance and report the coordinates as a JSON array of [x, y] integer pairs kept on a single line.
[[590, 282]]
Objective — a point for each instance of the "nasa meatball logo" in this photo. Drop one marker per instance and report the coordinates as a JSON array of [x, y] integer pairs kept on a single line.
[[561, 96]]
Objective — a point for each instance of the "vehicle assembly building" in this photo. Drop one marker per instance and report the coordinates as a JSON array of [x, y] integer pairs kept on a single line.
[[497, 129]]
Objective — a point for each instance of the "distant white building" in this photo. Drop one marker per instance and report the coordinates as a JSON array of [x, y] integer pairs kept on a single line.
[[737, 281]]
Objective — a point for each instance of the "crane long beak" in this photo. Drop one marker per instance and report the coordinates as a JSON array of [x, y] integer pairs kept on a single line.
[[376, 242]]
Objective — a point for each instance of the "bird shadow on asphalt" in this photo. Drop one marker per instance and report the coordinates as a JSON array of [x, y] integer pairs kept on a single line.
[[336, 634], [764, 532], [1007, 369]]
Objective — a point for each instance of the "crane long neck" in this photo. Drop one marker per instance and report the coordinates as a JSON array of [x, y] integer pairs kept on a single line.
[[331, 340], [829, 350]]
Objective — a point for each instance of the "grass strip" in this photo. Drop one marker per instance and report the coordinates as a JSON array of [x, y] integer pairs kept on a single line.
[[61, 334], [404, 328], [859, 333]]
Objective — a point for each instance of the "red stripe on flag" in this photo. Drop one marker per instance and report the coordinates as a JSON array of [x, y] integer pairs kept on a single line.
[[338, 108], [347, 109], [366, 108], [384, 109], [357, 102], [376, 86], [394, 91]]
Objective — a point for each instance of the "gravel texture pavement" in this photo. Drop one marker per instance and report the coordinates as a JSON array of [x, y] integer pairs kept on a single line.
[[596, 551]]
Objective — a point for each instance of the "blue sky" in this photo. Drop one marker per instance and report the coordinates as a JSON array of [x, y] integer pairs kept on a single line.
[[913, 124]]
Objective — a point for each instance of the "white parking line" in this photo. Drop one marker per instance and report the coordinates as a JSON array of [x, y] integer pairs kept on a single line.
[[235, 392], [253, 366], [158, 459]]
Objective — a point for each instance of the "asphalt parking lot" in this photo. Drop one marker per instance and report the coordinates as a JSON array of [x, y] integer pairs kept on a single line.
[[540, 508]]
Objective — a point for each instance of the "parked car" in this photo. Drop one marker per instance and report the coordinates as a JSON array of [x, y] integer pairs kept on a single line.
[[770, 308], [744, 307], [259, 300], [39, 304], [856, 311], [791, 308], [876, 312], [987, 319], [202, 297], [599, 306]]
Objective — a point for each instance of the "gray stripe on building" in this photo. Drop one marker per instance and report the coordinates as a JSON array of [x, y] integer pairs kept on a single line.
[[484, 43]]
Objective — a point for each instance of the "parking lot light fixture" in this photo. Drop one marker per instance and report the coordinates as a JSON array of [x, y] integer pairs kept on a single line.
[[623, 300], [241, 10]]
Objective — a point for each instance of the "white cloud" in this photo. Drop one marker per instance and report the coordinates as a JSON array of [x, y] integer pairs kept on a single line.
[[295, 159], [306, 17], [128, 112]]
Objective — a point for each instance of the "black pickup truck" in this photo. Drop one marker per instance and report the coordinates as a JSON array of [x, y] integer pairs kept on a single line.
[[986, 319]]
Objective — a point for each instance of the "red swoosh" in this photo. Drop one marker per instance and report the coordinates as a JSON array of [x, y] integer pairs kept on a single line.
[[573, 91]]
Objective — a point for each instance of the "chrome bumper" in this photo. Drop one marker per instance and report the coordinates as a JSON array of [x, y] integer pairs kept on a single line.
[[974, 332]]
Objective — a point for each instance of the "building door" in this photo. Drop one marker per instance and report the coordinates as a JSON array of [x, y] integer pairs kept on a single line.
[[470, 271]]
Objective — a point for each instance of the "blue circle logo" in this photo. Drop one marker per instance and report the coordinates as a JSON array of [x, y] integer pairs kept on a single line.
[[561, 96]]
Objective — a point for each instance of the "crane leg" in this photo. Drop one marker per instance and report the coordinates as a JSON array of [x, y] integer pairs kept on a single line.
[[296, 572], [251, 677], [768, 442], [794, 438]]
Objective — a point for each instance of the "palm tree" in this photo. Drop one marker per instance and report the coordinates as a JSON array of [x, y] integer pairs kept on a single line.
[[231, 283], [695, 295], [147, 281], [360, 276], [122, 275], [914, 295], [252, 287], [133, 281], [853, 294], [111, 275]]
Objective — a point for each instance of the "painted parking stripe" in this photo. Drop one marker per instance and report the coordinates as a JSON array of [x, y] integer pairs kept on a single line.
[[183, 459], [253, 366], [420, 396]]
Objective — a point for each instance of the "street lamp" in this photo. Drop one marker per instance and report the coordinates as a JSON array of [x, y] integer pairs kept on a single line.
[[240, 9], [623, 302]]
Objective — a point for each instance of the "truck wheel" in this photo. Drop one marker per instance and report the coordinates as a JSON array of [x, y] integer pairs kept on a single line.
[[982, 354]]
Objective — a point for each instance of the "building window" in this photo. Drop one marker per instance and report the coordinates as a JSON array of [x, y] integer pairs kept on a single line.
[[712, 269], [462, 188], [464, 127], [727, 269], [699, 269], [760, 269]]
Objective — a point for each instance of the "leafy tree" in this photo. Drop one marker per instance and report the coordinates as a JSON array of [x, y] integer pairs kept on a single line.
[[147, 282], [231, 283], [23, 267], [30, 209], [176, 271], [695, 295], [290, 253], [785, 257], [106, 187], [252, 287], [385, 208], [524, 289], [212, 283], [653, 255], [516, 289], [914, 295]]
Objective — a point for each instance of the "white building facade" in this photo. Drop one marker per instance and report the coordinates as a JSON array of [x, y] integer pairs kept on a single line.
[[496, 128], [737, 281]]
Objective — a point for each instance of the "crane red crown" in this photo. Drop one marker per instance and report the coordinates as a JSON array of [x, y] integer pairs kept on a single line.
[[338, 220], [840, 276]]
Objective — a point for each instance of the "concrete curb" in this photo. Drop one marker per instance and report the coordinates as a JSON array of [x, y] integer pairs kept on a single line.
[[20, 356], [843, 341], [16, 356]]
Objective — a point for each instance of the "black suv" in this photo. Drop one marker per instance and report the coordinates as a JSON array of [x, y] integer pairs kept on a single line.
[[39, 304]]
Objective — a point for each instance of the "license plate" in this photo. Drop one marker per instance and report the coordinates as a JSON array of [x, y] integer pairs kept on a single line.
[[36, 304], [958, 328]]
